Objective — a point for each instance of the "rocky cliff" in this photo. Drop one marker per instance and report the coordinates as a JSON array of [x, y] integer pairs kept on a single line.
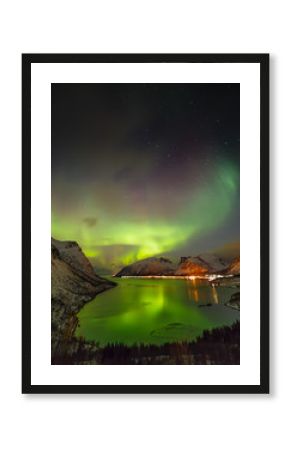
[[73, 283]]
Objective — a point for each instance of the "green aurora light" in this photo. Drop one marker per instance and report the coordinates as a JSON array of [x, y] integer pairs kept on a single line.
[[120, 239]]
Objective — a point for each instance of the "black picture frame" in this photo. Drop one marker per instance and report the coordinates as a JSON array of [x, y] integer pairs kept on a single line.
[[263, 60]]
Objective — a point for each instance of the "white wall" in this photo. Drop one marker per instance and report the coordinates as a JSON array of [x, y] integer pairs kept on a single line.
[[168, 422]]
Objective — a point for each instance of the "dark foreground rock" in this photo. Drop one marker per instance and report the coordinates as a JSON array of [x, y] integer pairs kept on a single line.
[[73, 283], [218, 346]]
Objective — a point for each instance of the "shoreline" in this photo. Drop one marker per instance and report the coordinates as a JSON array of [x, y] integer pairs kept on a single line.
[[177, 277]]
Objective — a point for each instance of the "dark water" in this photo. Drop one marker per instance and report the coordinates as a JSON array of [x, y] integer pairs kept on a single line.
[[155, 311]]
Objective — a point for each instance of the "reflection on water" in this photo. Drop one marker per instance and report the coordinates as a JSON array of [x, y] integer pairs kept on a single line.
[[155, 311], [192, 290], [199, 291], [215, 295]]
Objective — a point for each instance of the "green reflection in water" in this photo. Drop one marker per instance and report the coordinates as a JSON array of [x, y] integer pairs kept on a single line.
[[155, 311]]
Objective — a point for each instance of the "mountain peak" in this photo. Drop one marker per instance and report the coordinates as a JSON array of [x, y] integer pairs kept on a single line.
[[199, 265]]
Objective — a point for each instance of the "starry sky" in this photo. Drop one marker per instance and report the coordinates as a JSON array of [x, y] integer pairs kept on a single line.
[[142, 170]]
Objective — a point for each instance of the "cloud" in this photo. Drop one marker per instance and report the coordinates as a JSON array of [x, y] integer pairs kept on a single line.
[[90, 221]]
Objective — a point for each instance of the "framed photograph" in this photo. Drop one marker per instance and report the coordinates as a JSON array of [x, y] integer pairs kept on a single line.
[[145, 223]]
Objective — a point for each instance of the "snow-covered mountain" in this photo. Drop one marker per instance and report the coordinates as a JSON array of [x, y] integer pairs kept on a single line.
[[149, 266], [200, 265], [234, 267], [71, 253], [188, 265]]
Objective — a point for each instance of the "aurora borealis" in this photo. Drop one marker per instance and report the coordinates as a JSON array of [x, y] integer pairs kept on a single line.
[[140, 170]]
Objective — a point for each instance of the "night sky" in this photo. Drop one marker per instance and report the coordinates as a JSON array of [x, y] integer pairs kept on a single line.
[[140, 170]]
